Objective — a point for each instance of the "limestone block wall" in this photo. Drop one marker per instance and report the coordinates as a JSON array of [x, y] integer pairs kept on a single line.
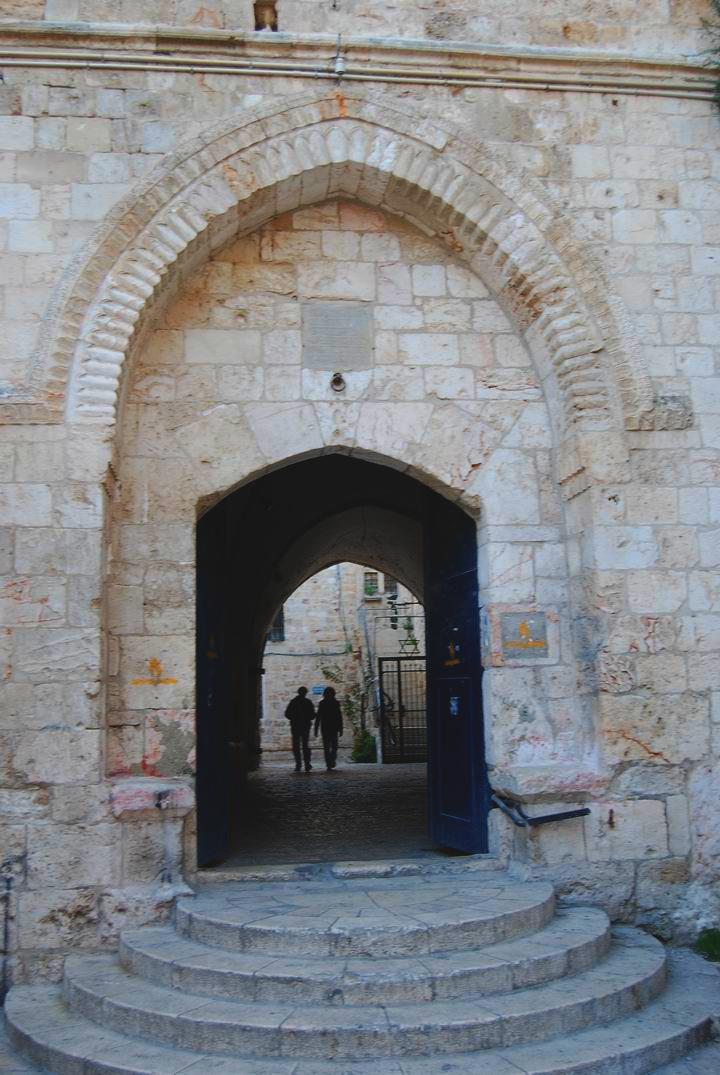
[[654, 25], [612, 528], [223, 383]]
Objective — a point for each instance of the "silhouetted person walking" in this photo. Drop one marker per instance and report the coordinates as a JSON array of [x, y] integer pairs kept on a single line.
[[329, 720], [300, 713]]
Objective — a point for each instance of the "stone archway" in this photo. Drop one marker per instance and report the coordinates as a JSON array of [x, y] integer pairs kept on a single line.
[[241, 174], [305, 515], [464, 197]]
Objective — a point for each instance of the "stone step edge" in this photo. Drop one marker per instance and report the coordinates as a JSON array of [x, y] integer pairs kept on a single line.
[[38, 1021], [154, 961], [376, 868], [600, 995], [704, 1061], [208, 924]]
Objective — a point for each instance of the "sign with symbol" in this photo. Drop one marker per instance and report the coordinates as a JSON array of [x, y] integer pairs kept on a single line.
[[453, 654], [524, 635], [318, 690]]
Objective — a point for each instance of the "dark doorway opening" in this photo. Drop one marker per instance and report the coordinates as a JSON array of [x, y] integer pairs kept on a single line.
[[255, 547]]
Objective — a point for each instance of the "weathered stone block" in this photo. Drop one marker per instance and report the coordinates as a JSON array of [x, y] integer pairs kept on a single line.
[[84, 805], [340, 280], [642, 728], [652, 506], [86, 135], [150, 848], [48, 551], [704, 591], [664, 674], [679, 840], [284, 429], [18, 201], [25, 505], [656, 593], [59, 756], [699, 633], [29, 601], [56, 654], [623, 548], [57, 918], [618, 830], [157, 672], [77, 856], [226, 347]]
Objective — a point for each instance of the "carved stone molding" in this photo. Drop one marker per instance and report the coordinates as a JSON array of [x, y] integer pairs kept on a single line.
[[308, 149], [389, 60]]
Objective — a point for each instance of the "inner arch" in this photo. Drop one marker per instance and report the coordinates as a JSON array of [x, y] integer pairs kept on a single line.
[[256, 546]]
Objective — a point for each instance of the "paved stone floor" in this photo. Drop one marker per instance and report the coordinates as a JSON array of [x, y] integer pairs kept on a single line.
[[356, 812]]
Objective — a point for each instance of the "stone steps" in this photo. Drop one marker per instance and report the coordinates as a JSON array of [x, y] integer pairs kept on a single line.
[[572, 942], [60, 1040], [462, 971], [703, 1061], [398, 916], [631, 976], [434, 865]]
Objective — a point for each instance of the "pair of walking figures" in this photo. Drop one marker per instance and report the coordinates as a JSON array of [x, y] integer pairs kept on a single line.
[[328, 719]]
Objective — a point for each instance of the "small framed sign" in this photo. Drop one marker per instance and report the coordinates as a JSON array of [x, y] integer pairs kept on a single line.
[[524, 635]]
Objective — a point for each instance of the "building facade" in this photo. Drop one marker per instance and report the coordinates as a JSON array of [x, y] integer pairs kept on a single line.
[[518, 218], [331, 632]]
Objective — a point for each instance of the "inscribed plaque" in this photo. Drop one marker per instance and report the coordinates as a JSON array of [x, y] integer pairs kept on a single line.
[[337, 336], [524, 635]]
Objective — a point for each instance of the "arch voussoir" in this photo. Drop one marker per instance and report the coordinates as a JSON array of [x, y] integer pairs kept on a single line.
[[331, 145]]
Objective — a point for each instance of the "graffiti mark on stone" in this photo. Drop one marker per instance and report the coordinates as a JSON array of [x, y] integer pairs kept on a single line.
[[155, 678]]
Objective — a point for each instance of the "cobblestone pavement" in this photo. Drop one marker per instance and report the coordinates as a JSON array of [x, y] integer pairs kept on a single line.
[[356, 812]]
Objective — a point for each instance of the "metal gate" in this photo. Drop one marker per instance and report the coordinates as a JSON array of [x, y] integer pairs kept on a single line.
[[403, 709]]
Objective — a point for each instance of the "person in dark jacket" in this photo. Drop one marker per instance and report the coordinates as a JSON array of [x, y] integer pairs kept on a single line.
[[300, 712], [329, 721]]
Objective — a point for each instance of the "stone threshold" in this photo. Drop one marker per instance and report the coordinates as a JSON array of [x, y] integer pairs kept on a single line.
[[385, 60], [437, 864]]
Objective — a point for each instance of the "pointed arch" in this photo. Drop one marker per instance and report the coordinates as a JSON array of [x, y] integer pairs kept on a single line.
[[306, 149]]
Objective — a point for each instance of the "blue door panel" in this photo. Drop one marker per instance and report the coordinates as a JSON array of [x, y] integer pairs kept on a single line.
[[459, 793]]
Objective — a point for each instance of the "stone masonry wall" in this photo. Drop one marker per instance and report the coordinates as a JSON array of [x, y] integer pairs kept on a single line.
[[223, 377], [97, 564], [653, 25]]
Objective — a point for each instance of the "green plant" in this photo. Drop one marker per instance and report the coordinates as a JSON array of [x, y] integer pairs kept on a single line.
[[364, 747], [708, 944]]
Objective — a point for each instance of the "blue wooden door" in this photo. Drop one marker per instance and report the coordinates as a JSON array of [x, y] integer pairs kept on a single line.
[[459, 792], [213, 697]]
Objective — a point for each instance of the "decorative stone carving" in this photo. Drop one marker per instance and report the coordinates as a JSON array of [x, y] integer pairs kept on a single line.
[[314, 147]]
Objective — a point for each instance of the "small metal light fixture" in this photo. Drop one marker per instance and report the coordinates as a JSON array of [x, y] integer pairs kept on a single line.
[[337, 382], [266, 16]]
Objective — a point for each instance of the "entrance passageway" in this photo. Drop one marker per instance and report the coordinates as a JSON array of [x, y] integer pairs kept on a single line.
[[255, 548], [356, 812]]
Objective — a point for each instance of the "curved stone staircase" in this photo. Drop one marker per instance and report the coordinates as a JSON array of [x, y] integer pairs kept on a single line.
[[460, 971]]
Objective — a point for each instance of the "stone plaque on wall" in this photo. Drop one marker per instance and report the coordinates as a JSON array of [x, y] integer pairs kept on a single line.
[[337, 336], [524, 635]]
